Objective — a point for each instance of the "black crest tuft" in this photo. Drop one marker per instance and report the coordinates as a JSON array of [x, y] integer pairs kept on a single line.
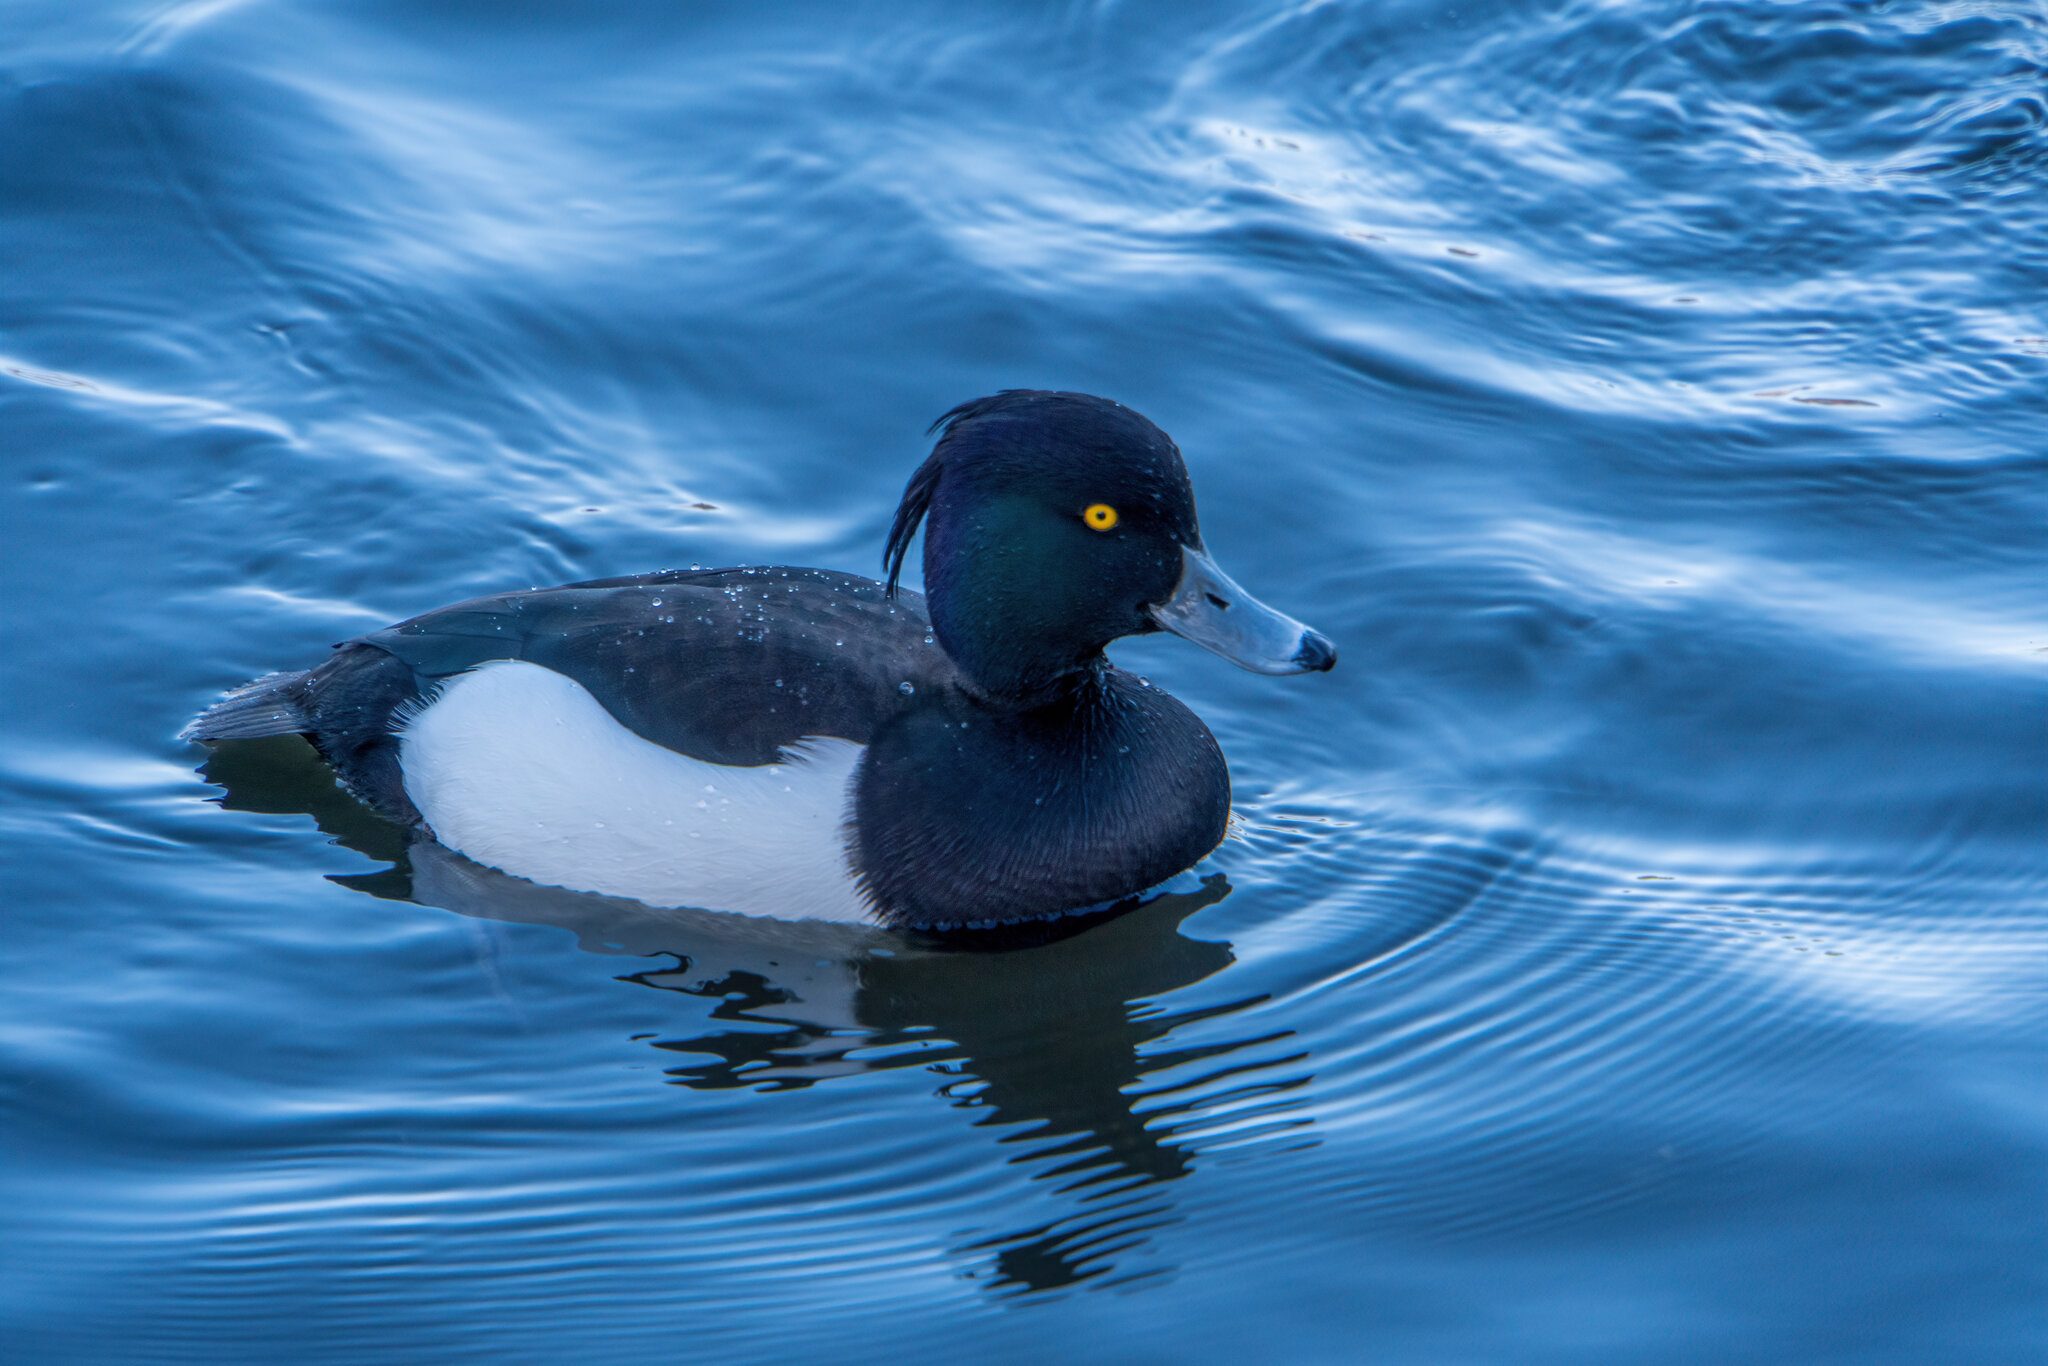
[[917, 497], [917, 494]]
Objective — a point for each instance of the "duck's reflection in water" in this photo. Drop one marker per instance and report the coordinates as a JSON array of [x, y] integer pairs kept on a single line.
[[1058, 1033]]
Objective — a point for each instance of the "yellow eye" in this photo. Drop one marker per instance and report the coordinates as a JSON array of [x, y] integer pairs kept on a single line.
[[1100, 516]]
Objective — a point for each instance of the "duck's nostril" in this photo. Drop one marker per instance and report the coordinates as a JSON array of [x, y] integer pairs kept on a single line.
[[1317, 654], [1221, 603]]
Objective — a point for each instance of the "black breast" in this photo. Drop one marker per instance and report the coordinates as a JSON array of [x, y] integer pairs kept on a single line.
[[966, 815]]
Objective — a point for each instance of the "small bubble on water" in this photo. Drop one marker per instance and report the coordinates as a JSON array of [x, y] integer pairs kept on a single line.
[[906, 687]]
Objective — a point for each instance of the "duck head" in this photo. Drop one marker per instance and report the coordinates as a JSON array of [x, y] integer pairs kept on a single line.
[[1057, 523]]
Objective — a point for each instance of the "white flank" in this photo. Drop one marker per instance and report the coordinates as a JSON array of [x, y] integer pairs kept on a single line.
[[520, 768]]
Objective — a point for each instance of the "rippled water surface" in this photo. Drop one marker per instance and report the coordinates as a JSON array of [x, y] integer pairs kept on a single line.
[[1636, 950]]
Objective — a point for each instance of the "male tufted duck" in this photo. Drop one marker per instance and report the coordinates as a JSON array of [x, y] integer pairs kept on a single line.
[[808, 744]]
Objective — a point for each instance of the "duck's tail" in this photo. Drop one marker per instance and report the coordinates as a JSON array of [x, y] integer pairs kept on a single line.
[[274, 704]]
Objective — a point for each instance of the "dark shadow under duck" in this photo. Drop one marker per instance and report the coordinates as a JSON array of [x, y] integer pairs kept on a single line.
[[992, 766]]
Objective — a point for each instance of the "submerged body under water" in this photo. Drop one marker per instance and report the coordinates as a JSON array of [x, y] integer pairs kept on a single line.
[[1635, 950]]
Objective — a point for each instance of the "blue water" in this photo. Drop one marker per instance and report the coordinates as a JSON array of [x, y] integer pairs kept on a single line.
[[1636, 950]]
